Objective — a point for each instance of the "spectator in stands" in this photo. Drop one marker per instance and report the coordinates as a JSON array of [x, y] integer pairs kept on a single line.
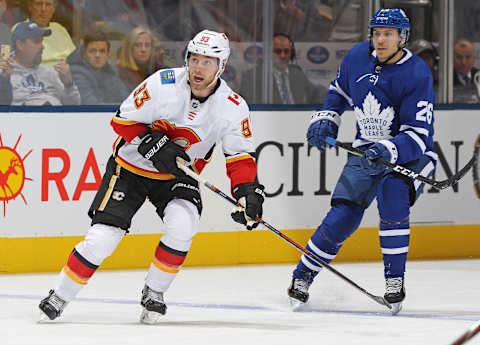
[[427, 51], [34, 83], [59, 44], [466, 77], [137, 57], [290, 18], [11, 14], [4, 28], [6, 67], [97, 80], [290, 84]]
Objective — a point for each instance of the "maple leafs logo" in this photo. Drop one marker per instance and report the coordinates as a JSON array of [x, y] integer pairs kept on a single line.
[[373, 124]]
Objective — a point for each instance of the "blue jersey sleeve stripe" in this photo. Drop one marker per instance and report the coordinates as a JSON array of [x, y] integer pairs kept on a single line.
[[417, 139], [418, 130]]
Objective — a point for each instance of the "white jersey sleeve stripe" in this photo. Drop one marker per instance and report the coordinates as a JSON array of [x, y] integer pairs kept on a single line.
[[418, 130], [426, 171], [338, 89], [432, 155], [417, 139]]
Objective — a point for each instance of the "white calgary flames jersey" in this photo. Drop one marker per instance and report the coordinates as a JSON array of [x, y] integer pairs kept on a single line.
[[163, 102]]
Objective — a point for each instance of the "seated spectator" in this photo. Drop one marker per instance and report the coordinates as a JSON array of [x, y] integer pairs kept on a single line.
[[289, 18], [466, 77], [6, 67], [137, 57], [59, 44], [12, 13], [97, 79], [34, 83], [290, 84], [5, 33], [428, 53]]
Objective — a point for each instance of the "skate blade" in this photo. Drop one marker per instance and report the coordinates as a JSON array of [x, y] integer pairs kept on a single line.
[[396, 307], [43, 318], [150, 317], [295, 304]]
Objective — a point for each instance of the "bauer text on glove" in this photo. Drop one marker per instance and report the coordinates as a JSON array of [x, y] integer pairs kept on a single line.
[[157, 147]]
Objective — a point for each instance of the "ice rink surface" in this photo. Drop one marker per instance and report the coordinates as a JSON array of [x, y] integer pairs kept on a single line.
[[247, 305]]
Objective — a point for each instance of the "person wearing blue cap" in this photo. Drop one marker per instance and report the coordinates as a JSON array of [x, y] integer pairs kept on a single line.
[[58, 45], [391, 92], [32, 82]]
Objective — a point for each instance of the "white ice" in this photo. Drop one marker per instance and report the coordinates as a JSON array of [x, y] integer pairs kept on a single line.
[[247, 305]]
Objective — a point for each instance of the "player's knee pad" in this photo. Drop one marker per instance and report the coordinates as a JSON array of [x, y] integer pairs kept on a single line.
[[181, 219], [341, 221], [99, 243], [393, 199]]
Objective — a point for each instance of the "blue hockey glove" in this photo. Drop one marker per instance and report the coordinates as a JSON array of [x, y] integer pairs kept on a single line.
[[374, 152], [324, 124]]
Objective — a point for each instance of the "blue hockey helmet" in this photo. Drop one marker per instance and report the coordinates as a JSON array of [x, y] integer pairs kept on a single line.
[[391, 18]]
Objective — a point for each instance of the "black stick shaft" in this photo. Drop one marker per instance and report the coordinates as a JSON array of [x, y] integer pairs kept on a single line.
[[407, 172], [287, 239]]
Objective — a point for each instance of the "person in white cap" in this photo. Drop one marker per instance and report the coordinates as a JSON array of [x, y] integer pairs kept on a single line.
[[180, 112]]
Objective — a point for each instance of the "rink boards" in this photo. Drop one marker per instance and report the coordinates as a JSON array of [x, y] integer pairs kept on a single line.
[[51, 164]]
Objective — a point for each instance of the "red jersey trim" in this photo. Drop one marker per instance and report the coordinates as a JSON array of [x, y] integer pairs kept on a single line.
[[241, 169], [127, 129]]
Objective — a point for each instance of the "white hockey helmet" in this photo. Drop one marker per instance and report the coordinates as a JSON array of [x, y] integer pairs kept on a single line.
[[213, 44]]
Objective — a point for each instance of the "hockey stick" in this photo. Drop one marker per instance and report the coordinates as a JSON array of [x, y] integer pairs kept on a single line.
[[469, 334], [407, 172], [311, 255]]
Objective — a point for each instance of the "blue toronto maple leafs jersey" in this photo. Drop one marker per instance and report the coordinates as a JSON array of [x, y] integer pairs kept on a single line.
[[394, 103]]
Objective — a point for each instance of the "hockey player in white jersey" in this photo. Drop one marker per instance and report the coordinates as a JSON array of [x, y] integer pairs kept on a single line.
[[180, 112], [391, 92]]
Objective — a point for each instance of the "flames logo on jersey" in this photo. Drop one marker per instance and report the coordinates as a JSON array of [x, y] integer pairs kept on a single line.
[[374, 124], [12, 173], [183, 136]]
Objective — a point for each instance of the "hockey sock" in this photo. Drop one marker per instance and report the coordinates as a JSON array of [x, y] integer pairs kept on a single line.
[[394, 241], [341, 221], [393, 201], [74, 275], [164, 267]]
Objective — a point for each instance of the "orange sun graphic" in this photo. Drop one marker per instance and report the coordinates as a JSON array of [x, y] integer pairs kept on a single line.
[[12, 173]]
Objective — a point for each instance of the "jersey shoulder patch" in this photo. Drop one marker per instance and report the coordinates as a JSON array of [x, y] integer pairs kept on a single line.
[[167, 76]]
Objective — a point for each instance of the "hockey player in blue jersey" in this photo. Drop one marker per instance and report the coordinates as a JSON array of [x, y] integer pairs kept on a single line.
[[391, 92]]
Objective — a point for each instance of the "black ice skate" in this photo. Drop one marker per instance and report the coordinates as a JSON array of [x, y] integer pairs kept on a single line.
[[51, 306], [153, 306], [395, 293], [298, 292]]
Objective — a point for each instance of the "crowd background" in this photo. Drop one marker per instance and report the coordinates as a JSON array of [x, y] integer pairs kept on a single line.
[[143, 36]]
